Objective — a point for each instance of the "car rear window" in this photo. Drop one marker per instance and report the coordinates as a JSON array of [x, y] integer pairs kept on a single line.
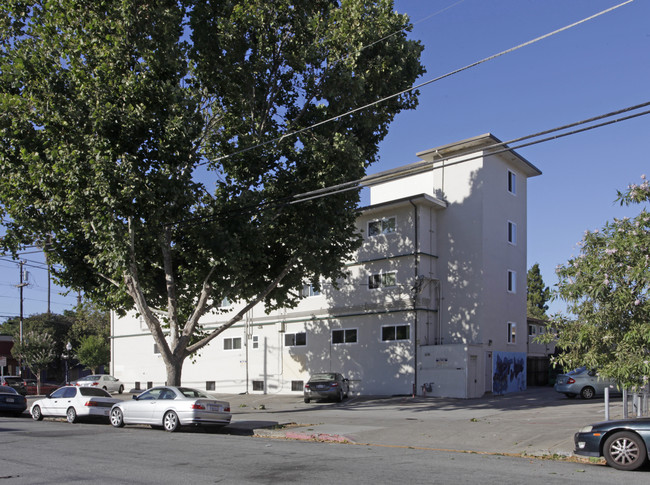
[[323, 377], [90, 378], [13, 380], [93, 391], [8, 390]]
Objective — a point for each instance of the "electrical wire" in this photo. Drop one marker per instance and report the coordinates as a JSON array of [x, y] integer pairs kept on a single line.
[[417, 86]]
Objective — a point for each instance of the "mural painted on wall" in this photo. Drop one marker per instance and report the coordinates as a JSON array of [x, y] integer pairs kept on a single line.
[[508, 372]]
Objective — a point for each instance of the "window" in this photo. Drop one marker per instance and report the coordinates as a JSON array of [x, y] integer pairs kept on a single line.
[[258, 385], [512, 233], [512, 182], [383, 279], [532, 330], [395, 332], [382, 226], [295, 339], [512, 333], [210, 386], [156, 350], [345, 336], [542, 329], [512, 281], [297, 385], [233, 343], [309, 290], [256, 342]]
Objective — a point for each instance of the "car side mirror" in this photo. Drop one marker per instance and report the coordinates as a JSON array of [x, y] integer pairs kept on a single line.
[[135, 397]]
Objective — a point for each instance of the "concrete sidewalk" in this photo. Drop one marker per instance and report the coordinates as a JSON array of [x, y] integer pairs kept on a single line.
[[536, 422]]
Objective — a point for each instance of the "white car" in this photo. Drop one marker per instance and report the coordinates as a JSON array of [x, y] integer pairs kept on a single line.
[[102, 381], [74, 403], [171, 407]]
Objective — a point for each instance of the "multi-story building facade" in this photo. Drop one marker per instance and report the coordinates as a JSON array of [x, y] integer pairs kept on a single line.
[[435, 300]]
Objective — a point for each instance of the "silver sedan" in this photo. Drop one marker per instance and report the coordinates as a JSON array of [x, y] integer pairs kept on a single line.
[[171, 407]]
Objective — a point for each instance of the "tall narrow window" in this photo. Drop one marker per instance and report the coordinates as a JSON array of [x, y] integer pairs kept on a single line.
[[512, 333], [512, 233], [512, 182], [512, 281]]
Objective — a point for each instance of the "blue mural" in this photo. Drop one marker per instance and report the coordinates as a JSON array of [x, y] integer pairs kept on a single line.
[[508, 372]]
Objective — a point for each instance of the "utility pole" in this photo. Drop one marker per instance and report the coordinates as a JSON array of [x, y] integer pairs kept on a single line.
[[21, 286]]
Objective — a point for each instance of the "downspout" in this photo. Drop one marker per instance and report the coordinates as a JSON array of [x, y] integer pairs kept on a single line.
[[415, 291]]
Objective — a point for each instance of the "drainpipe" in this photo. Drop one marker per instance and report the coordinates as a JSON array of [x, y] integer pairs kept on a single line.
[[415, 291]]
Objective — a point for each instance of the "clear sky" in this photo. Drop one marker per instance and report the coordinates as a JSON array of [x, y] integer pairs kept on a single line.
[[594, 68]]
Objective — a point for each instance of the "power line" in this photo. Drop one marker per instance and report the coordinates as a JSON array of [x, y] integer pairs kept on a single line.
[[417, 86]]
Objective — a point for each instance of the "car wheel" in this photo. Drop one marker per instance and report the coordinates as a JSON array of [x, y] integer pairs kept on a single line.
[[71, 415], [120, 390], [105, 388], [117, 418], [170, 421], [37, 415], [339, 398], [587, 392], [625, 451]]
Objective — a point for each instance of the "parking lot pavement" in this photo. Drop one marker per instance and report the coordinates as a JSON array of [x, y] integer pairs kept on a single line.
[[538, 421]]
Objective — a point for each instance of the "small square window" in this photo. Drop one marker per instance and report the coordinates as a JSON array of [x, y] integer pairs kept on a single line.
[[297, 385], [395, 332], [383, 226], [210, 386], [383, 279], [258, 385], [256, 341], [295, 339], [233, 343], [344, 336]]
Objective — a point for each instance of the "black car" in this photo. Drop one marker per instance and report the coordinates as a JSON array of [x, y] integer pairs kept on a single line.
[[16, 382], [11, 402], [328, 385], [624, 443]]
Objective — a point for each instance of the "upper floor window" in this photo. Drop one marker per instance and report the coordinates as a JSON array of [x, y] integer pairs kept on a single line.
[[256, 341], [512, 233], [512, 182], [512, 281], [512, 333], [382, 226], [295, 339], [344, 336], [309, 290], [383, 279]]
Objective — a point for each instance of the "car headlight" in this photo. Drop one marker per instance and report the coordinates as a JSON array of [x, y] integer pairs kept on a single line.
[[586, 429]]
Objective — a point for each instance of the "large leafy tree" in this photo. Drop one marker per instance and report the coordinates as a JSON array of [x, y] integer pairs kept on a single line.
[[37, 351], [93, 351], [606, 288], [109, 109], [537, 293]]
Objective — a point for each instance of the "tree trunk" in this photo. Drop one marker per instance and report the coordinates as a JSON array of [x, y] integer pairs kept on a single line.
[[174, 368]]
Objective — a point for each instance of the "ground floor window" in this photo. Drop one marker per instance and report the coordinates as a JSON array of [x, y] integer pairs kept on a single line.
[[233, 343], [395, 332], [258, 385], [210, 386], [344, 336], [297, 385], [295, 339]]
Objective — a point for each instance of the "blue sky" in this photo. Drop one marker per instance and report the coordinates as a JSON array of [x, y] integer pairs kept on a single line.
[[594, 68]]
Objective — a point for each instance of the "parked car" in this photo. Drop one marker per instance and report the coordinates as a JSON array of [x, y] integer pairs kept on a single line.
[[171, 407], [103, 381], [11, 402], [16, 382], [74, 403], [46, 387], [624, 443], [586, 383], [329, 385]]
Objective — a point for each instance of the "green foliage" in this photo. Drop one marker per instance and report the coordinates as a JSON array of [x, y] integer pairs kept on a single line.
[[88, 320], [55, 325], [537, 294], [606, 289], [36, 351], [110, 110], [93, 351]]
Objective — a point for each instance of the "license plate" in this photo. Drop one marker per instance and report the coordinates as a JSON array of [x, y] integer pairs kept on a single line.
[[213, 407], [10, 399]]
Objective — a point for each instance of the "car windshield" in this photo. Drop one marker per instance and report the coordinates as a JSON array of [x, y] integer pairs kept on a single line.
[[188, 392], [93, 391], [8, 390], [323, 377]]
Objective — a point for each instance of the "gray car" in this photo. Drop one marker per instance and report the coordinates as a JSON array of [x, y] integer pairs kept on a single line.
[[328, 385], [585, 383]]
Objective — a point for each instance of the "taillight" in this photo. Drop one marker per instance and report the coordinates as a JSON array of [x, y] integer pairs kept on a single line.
[[91, 403], [227, 409], [307, 386], [95, 383], [335, 384], [571, 380], [197, 406]]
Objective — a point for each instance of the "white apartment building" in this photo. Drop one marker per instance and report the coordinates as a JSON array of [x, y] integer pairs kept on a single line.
[[435, 301]]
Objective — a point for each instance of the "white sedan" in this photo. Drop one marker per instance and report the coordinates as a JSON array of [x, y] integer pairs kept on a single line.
[[74, 403], [102, 381], [171, 407]]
